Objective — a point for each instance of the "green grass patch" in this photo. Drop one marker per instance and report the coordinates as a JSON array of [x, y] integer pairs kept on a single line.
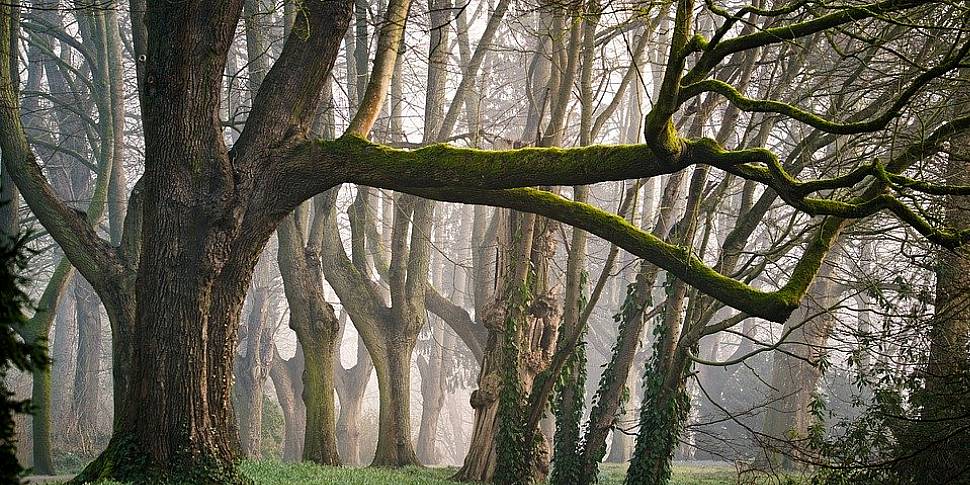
[[276, 473], [613, 474]]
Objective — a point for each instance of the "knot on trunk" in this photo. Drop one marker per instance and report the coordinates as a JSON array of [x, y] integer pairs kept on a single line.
[[494, 316], [487, 391], [546, 315]]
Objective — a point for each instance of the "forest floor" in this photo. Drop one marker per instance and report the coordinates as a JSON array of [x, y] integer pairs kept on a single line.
[[270, 473], [277, 473]]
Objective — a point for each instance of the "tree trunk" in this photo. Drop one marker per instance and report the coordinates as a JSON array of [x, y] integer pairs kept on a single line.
[[479, 464], [393, 366], [252, 368], [622, 444], [87, 381], [172, 422], [43, 463], [316, 326], [63, 361], [288, 382], [348, 422], [663, 415], [795, 372], [320, 441], [526, 247], [351, 385], [434, 368], [432, 394], [933, 447]]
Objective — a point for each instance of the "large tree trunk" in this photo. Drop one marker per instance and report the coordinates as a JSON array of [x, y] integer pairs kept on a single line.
[[172, 421], [393, 367], [479, 464], [535, 333], [320, 441], [933, 447]]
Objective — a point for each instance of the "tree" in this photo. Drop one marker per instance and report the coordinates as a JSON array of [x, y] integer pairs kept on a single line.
[[14, 352], [175, 283]]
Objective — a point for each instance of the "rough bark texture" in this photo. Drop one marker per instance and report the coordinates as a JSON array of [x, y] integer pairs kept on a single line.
[[394, 443], [527, 247], [932, 447], [207, 211]]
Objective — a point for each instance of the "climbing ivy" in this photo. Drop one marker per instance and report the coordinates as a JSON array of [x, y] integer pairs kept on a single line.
[[568, 404], [663, 412], [631, 309], [512, 467]]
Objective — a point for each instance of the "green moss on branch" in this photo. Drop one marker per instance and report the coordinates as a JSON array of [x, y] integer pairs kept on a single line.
[[375, 165], [677, 260]]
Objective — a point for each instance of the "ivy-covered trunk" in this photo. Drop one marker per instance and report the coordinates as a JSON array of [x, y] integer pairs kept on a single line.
[[663, 416], [523, 323]]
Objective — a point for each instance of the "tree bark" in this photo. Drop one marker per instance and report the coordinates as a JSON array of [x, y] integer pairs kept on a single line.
[[87, 380], [315, 324], [320, 442], [288, 382], [351, 385], [393, 367]]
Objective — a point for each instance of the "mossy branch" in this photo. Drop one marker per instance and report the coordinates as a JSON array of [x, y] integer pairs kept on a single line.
[[354, 159], [679, 261]]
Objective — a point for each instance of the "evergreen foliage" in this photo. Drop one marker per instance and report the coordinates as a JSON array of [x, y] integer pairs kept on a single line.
[[15, 353]]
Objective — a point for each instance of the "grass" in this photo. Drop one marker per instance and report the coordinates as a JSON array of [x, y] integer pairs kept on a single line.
[[612, 474], [277, 473]]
